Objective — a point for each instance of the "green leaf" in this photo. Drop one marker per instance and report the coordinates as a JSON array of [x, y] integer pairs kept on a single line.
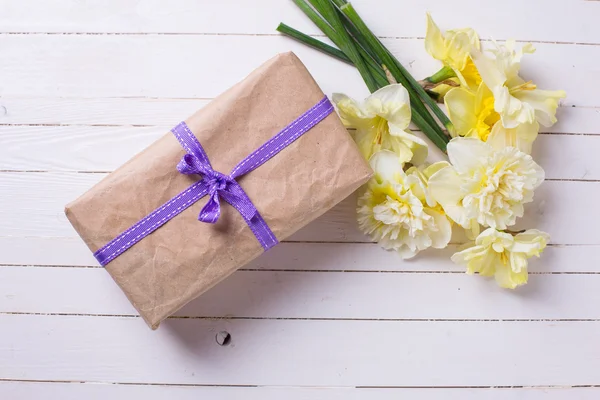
[[314, 43]]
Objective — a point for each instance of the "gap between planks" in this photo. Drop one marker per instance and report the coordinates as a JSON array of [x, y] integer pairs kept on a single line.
[[362, 271], [298, 387], [234, 318], [45, 171], [156, 126], [266, 35]]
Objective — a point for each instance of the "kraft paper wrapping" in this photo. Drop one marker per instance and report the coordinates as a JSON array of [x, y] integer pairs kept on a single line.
[[185, 257]]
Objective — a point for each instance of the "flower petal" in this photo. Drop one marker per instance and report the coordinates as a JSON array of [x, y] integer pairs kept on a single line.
[[417, 146], [434, 40], [351, 113], [543, 102], [467, 154], [435, 167], [512, 111], [490, 73], [521, 137], [365, 140], [444, 187], [441, 237], [531, 242], [391, 103], [460, 104], [509, 279], [387, 167]]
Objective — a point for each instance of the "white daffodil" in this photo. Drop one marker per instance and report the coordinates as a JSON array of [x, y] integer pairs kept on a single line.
[[397, 210], [521, 137], [453, 48], [516, 100], [502, 255], [381, 123], [484, 185]]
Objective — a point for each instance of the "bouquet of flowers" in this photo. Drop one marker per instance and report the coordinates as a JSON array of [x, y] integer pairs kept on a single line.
[[493, 117]]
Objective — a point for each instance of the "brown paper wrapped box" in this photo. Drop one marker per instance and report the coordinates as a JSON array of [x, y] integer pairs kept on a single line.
[[185, 257]]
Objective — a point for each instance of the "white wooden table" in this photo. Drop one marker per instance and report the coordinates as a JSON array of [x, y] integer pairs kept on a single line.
[[85, 84]]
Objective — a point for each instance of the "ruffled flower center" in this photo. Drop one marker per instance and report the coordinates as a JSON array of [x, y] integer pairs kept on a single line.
[[495, 189], [403, 212]]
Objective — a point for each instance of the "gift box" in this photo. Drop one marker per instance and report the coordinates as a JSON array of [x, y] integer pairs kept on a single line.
[[142, 220]]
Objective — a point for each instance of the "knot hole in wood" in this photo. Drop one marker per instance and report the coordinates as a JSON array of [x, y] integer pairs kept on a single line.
[[223, 338]]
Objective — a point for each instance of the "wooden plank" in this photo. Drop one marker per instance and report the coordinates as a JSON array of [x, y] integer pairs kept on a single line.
[[94, 148], [299, 256], [102, 391], [315, 295], [34, 207], [142, 66], [166, 112], [300, 353], [108, 111], [261, 17]]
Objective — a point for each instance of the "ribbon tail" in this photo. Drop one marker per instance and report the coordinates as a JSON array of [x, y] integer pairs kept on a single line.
[[242, 203], [212, 210]]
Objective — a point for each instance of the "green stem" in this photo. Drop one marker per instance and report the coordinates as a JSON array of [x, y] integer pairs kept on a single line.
[[375, 69], [421, 114], [359, 49], [314, 43], [440, 76], [362, 43], [433, 106], [440, 142], [342, 39], [394, 65]]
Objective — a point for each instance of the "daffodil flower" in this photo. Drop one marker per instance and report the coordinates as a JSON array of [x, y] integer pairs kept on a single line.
[[381, 123], [453, 48], [485, 185], [502, 255], [397, 210], [516, 100], [473, 115]]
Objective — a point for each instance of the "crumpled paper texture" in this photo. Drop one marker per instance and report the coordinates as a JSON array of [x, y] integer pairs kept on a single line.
[[185, 257]]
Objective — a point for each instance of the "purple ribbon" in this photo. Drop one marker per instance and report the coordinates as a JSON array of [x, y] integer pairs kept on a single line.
[[215, 185]]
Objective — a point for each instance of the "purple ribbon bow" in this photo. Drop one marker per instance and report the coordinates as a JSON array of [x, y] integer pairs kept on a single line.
[[216, 185]]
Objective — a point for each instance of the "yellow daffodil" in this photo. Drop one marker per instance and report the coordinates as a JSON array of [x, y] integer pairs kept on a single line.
[[381, 123], [516, 100], [502, 255], [473, 115], [397, 210], [453, 48], [485, 185]]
